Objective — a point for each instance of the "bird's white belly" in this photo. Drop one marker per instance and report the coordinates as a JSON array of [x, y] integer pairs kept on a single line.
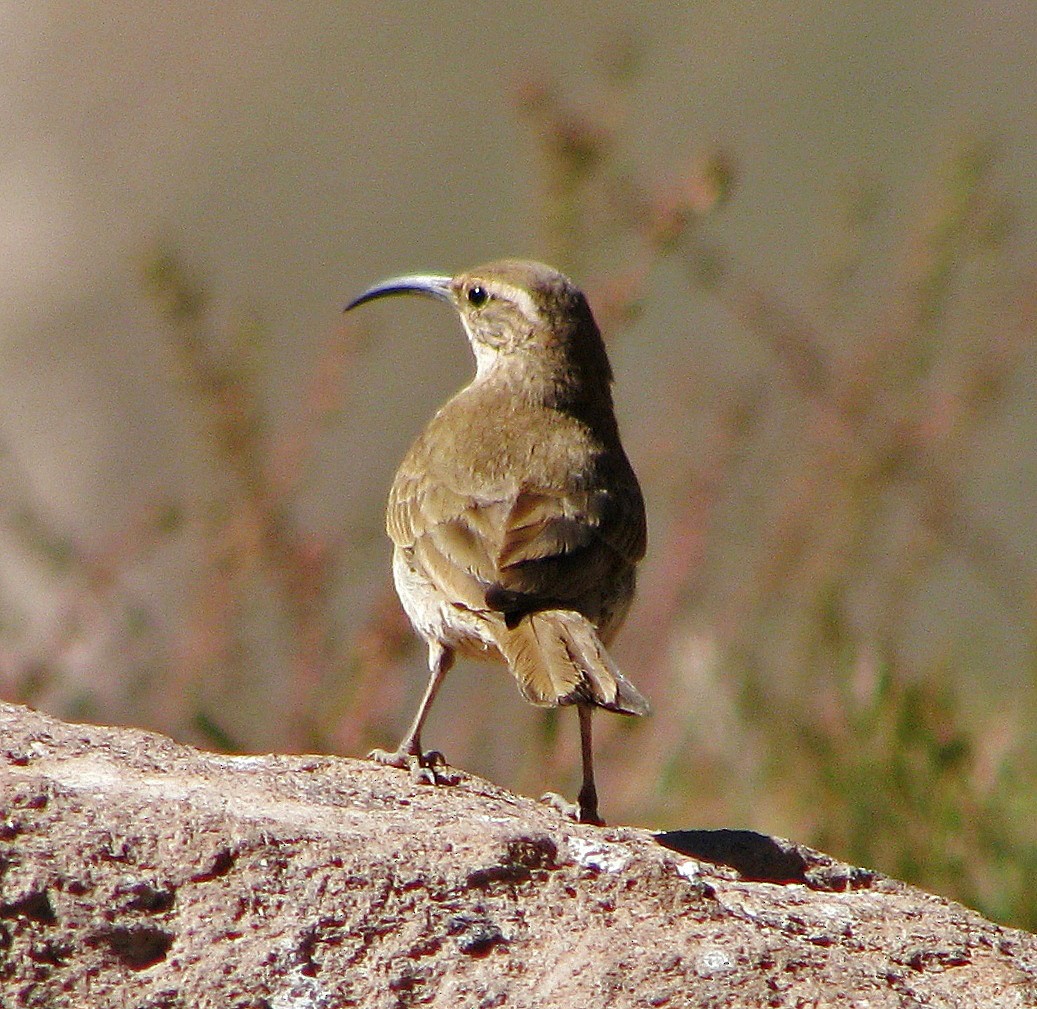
[[434, 617]]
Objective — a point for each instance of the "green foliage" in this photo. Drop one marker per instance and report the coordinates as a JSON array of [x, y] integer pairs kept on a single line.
[[894, 779]]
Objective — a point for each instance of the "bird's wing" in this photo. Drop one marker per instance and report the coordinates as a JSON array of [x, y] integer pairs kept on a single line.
[[450, 532], [563, 549], [515, 548]]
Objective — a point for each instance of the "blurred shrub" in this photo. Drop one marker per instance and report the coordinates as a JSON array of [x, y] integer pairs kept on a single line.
[[814, 501], [824, 515]]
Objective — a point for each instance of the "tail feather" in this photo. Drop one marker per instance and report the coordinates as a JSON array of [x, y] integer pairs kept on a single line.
[[558, 658]]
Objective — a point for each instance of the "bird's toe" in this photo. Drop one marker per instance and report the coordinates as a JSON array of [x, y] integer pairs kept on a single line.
[[390, 758], [422, 766], [573, 810]]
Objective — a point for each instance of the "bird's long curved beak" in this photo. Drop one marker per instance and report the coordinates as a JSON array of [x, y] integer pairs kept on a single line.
[[418, 283]]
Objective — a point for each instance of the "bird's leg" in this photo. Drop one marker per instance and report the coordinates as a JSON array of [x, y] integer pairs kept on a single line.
[[409, 753], [440, 659], [587, 800], [585, 809]]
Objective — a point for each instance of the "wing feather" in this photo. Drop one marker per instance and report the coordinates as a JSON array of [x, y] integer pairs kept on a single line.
[[495, 541]]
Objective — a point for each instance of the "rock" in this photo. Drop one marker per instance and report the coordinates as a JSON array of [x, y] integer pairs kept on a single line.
[[138, 872]]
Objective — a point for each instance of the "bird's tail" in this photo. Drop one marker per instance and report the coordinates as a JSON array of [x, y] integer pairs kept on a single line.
[[558, 658]]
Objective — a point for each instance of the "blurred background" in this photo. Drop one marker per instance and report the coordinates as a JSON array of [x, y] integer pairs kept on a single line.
[[808, 231]]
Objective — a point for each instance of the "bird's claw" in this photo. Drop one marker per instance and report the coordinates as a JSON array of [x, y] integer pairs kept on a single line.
[[422, 766], [573, 810]]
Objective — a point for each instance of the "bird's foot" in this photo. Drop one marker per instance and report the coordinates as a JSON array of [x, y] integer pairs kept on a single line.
[[573, 810], [422, 766]]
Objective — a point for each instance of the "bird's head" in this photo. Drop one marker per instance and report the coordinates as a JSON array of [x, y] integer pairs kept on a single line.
[[521, 317]]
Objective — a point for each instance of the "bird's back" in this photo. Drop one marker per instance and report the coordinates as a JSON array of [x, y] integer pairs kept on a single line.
[[548, 516]]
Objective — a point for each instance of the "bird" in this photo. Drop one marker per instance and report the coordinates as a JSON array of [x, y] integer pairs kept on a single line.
[[516, 519]]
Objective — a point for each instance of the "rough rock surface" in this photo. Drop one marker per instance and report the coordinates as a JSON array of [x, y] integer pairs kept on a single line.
[[137, 872]]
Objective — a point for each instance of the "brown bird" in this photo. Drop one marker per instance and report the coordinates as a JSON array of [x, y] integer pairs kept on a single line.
[[516, 517]]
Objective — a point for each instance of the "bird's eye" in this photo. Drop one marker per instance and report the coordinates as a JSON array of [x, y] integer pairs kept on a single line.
[[478, 295]]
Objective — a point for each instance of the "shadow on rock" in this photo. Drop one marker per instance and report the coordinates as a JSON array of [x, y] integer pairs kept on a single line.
[[764, 859]]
